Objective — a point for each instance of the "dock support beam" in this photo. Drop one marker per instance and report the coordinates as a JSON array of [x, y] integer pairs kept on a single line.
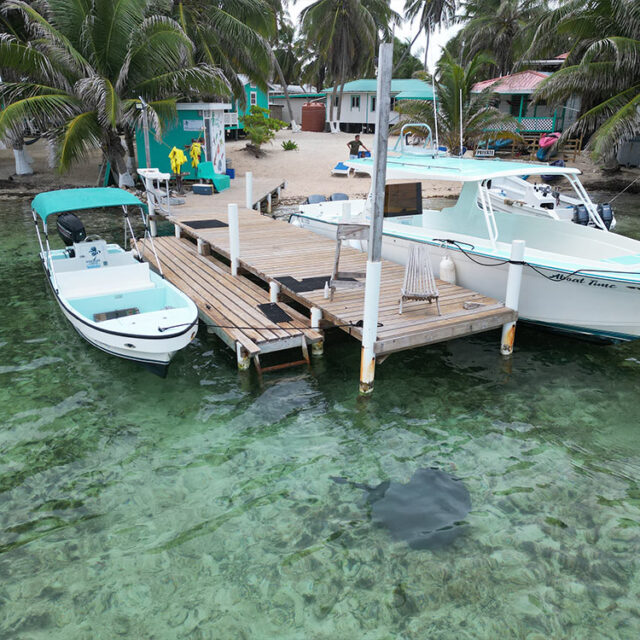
[[317, 348], [512, 297], [374, 264], [177, 231], [269, 203], [249, 189], [234, 237]]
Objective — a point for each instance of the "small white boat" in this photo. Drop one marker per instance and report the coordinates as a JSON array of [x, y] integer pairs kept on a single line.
[[109, 295], [578, 278], [514, 194]]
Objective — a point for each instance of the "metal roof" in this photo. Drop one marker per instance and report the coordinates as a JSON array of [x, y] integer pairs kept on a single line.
[[520, 82], [370, 85], [402, 167]]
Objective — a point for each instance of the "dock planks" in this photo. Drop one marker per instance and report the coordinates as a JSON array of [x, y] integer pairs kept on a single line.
[[273, 249]]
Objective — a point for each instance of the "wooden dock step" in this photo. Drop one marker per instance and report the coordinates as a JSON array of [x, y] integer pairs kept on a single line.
[[228, 304]]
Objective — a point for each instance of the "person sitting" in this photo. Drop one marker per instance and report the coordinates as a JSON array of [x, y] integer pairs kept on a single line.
[[354, 147]]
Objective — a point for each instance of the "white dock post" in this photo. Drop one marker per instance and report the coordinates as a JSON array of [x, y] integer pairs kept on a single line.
[[269, 203], [512, 297], [248, 177], [317, 348], [374, 265], [274, 291], [234, 237], [177, 231]]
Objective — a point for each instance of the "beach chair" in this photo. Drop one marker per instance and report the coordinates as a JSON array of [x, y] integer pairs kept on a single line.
[[335, 197], [206, 172], [341, 169], [419, 283]]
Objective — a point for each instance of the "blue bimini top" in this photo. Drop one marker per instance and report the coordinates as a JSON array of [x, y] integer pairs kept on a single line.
[[45, 204]]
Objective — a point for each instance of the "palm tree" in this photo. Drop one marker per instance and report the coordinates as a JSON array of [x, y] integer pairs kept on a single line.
[[603, 68], [86, 66], [404, 64], [454, 82], [502, 28], [345, 33], [432, 14]]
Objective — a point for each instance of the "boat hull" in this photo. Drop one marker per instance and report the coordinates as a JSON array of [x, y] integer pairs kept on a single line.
[[152, 352], [584, 306]]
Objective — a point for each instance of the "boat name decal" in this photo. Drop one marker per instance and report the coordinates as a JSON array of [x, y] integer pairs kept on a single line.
[[581, 280]]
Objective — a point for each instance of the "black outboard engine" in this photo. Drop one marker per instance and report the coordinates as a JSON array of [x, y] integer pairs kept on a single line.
[[580, 215], [606, 213], [70, 228]]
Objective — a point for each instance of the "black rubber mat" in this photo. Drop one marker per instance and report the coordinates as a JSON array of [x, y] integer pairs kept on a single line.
[[306, 284], [274, 312], [206, 224]]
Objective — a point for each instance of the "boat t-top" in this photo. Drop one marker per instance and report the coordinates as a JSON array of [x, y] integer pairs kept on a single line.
[[579, 276], [110, 295]]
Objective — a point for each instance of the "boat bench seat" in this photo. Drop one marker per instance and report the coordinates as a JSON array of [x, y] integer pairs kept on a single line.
[[103, 281]]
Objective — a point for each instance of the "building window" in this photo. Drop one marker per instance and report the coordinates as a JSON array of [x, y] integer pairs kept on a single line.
[[373, 103], [355, 102], [253, 98], [336, 101], [392, 104]]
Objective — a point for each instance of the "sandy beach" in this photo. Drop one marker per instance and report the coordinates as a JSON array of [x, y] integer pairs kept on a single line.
[[307, 170]]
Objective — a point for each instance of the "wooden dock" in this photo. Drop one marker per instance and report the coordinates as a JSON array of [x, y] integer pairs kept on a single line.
[[298, 262]]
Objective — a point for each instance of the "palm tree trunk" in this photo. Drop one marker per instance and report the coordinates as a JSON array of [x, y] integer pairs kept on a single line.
[[23, 166], [116, 155], [332, 106], [131, 149], [340, 101], [283, 82], [406, 51]]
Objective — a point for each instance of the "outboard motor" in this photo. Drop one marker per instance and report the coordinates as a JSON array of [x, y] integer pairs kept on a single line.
[[606, 213], [580, 215], [70, 228]]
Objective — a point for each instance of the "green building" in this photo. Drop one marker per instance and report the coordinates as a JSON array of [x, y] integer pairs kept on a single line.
[[254, 95], [195, 122]]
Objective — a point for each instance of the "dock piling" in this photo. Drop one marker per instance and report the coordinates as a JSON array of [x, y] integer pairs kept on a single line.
[[243, 358], [374, 264], [317, 348], [249, 189], [512, 296], [234, 237]]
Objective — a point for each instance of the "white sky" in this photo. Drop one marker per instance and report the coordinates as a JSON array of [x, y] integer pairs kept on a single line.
[[404, 32]]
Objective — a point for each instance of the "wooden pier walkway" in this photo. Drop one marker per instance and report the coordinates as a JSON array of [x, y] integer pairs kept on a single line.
[[300, 262]]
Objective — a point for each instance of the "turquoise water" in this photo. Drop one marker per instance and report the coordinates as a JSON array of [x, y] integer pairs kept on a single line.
[[201, 506]]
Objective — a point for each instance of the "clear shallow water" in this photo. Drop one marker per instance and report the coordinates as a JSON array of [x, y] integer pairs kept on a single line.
[[201, 506]]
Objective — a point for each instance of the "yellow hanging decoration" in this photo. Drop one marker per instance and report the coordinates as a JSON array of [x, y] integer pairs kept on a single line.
[[195, 153], [177, 158]]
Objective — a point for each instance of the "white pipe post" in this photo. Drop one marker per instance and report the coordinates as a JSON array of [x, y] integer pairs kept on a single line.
[[317, 348], [249, 189], [234, 237], [269, 203], [374, 264], [346, 212], [435, 111], [274, 291], [512, 297]]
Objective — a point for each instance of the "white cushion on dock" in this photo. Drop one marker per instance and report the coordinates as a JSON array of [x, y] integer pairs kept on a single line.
[[104, 281]]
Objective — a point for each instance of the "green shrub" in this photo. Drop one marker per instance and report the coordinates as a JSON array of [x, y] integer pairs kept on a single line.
[[289, 145], [260, 127]]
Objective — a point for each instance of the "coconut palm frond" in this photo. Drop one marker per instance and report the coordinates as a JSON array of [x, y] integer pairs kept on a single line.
[[621, 126], [625, 50], [201, 78], [43, 111], [81, 134]]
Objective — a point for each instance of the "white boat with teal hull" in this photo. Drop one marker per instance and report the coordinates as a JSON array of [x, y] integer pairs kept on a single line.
[[578, 277], [108, 294]]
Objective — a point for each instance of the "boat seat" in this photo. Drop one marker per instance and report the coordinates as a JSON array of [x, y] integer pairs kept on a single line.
[[90, 283]]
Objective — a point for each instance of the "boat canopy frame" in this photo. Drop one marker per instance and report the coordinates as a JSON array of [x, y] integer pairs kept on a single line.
[[67, 200], [450, 169]]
